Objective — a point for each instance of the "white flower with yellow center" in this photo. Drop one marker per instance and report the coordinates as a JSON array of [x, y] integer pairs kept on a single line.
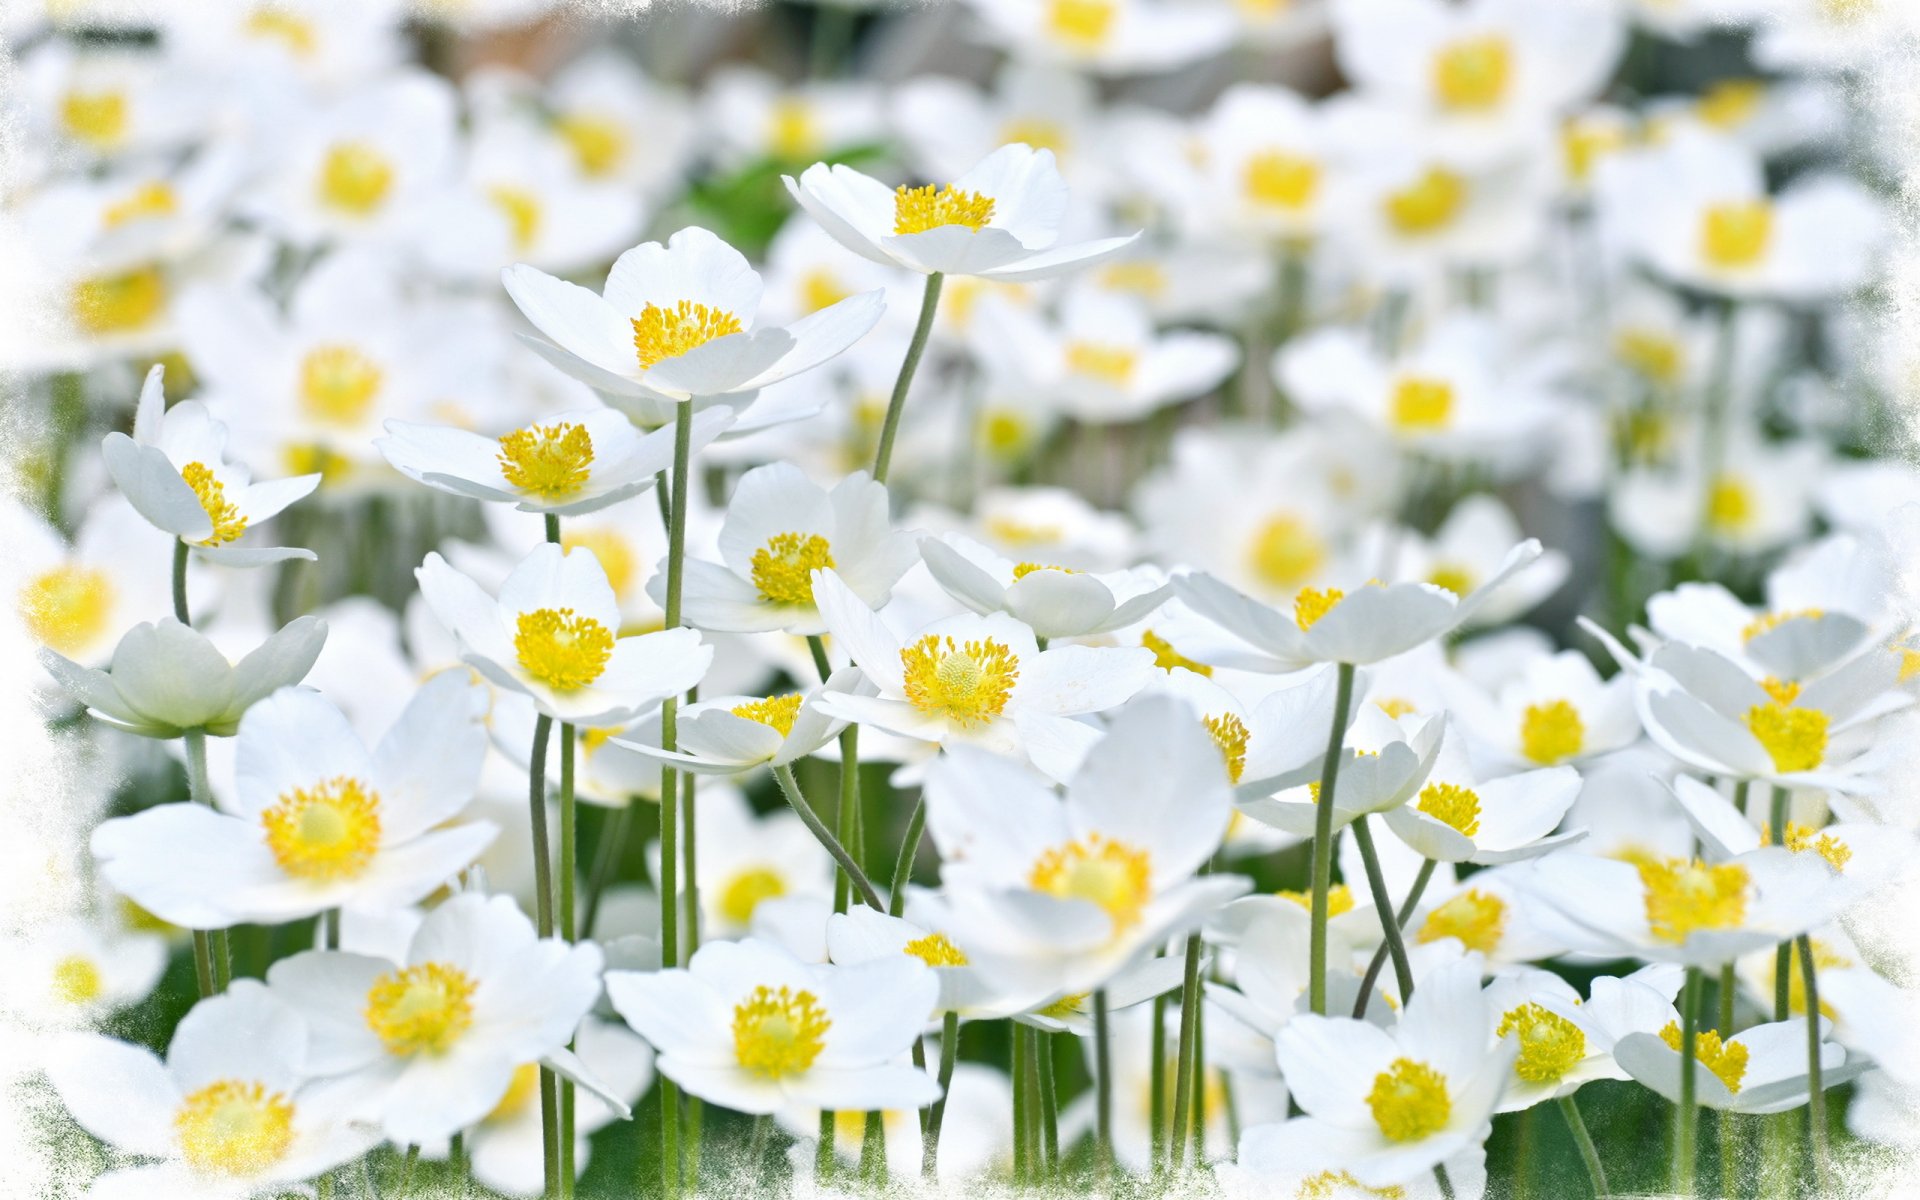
[[76, 599], [748, 1026], [72, 972], [970, 678], [103, 102], [623, 129], [553, 633], [948, 125], [1388, 1105], [999, 220], [748, 860], [806, 271], [780, 528], [1264, 743], [315, 820], [1467, 548], [1107, 37], [728, 735], [1759, 501], [863, 935], [1566, 1041], [426, 1046], [229, 1115], [1825, 37], [1385, 761], [1551, 710], [567, 464], [1461, 814], [1761, 1069], [284, 45], [1490, 913], [749, 116], [175, 472], [676, 321], [1052, 599], [1862, 854], [523, 199], [1269, 169], [1059, 895]]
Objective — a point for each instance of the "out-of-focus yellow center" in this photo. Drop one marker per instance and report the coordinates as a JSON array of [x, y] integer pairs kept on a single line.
[[120, 303], [329, 831], [552, 462], [1684, 895], [1473, 74], [97, 118], [793, 131], [662, 333], [1550, 1045], [1035, 131], [614, 552], [1111, 365], [778, 1033], [77, 980], [916, 210], [1729, 103], [1112, 874], [1276, 179], [154, 198], [783, 568], [522, 210], [821, 288], [227, 522], [355, 178], [1552, 732], [68, 607], [1082, 24], [1286, 552], [1455, 577], [1409, 1101], [422, 1009], [272, 23], [564, 651], [968, 683], [1736, 234], [777, 712], [744, 892], [936, 950], [1795, 738], [521, 1090], [234, 1127], [1770, 621], [1727, 1060], [1140, 277], [1420, 404], [338, 384], [1477, 918], [1340, 1185], [1730, 504], [1652, 353], [599, 143], [1427, 205], [1339, 899]]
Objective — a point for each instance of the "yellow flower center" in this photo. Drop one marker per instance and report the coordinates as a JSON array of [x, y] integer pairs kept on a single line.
[[1286, 552], [1396, 706], [1473, 73], [1409, 1101], [1552, 732], [783, 568], [1428, 204], [1111, 874], [228, 524], [1727, 1060], [234, 1128], [1022, 570], [1655, 355], [1112, 365], [155, 198], [967, 682], [1230, 734], [1013, 532], [1477, 918], [329, 831], [355, 179], [338, 384], [1684, 895], [1783, 691], [550, 461], [68, 607], [1768, 622], [916, 210], [120, 303], [1802, 838], [1795, 738], [1083, 24], [598, 143], [277, 24], [1339, 899], [778, 712], [1420, 405], [96, 118], [1339, 1185], [1454, 577], [522, 211], [1550, 1044], [1456, 807], [747, 889], [792, 131], [422, 1009], [1730, 103], [821, 288], [1276, 179], [77, 980], [1730, 504], [1844, 12], [1005, 431], [1583, 142], [1037, 132], [663, 333], [1140, 277], [1071, 1004], [1167, 658], [614, 552], [1313, 603], [936, 950], [562, 650], [521, 1090], [1736, 234], [777, 1033]]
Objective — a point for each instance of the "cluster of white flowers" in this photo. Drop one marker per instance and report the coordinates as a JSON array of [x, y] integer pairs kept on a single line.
[[1115, 474]]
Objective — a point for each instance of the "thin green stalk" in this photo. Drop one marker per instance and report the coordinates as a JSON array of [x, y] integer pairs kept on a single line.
[[406, 1170], [1199, 1119], [1049, 1102], [690, 907], [1817, 1097], [200, 790], [757, 1147], [457, 1159], [929, 301], [1783, 954], [1185, 1067], [1714, 419], [180, 611], [790, 788], [1323, 843], [543, 921], [569, 930], [671, 1167], [1017, 1069], [550, 1132], [818, 648], [873, 1152], [1577, 1126], [903, 863], [606, 860], [1102, 1089], [1157, 1087], [1383, 905], [1379, 960], [949, 1054], [1687, 1113]]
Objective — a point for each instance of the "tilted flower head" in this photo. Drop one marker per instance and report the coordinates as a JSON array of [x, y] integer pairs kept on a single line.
[[864, 935], [1461, 815], [1554, 709], [780, 528], [553, 634], [72, 972], [1762, 1069], [748, 1026], [230, 1114], [1565, 1041], [1051, 599], [77, 598], [731, 734], [175, 472], [166, 678], [571, 463], [1387, 760], [999, 220], [676, 321], [316, 820], [426, 1046]]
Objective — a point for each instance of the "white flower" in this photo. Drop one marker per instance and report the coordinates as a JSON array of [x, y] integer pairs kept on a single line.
[[1385, 761], [76, 599], [315, 820], [728, 735], [228, 1114], [1554, 709], [1052, 599], [174, 471], [676, 321], [624, 129], [1762, 1069], [752, 1028], [166, 678], [1564, 1041], [1000, 220], [1467, 548], [73, 972], [863, 935], [1461, 815], [747, 859], [1108, 37], [424, 1047], [553, 634], [976, 1139]]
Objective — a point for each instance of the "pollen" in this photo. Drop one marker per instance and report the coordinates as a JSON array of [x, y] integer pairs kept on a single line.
[[1313, 603], [598, 143], [1275, 179], [936, 950], [560, 649], [1230, 734], [614, 552], [967, 682], [775, 712], [355, 179], [1112, 365], [1803, 838], [1477, 918], [1339, 899], [522, 211], [1736, 234], [1456, 807], [1654, 355], [1727, 1060], [326, 832], [77, 980], [662, 333], [783, 568], [747, 889], [97, 118], [1420, 404], [1339, 1185], [916, 210], [276, 24], [1427, 205], [1111, 874], [1409, 1101], [821, 288], [121, 303], [1451, 576], [338, 384], [521, 1090], [777, 1032], [227, 522], [1286, 552], [1730, 504], [552, 462], [1473, 74], [1686, 895], [1069, 1005], [155, 198], [1022, 570], [1084, 24], [1783, 691], [421, 1009], [1167, 658], [1139, 277], [68, 607], [1552, 732], [1768, 622], [1794, 738], [234, 1127], [1550, 1045]]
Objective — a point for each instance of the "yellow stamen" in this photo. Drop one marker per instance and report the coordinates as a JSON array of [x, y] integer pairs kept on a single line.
[[326, 832], [777, 712], [1396, 707], [1339, 899], [936, 950], [1340, 1185], [227, 522], [783, 568], [550, 461], [777, 1033], [421, 1009], [561, 650], [355, 179], [1736, 234], [1794, 738], [1083, 24], [68, 607], [968, 683], [1022, 570], [1456, 807], [744, 892], [1552, 732], [1275, 179], [1230, 734], [1802, 838], [338, 384], [1783, 691], [96, 118], [1409, 1101], [1550, 1045], [1167, 658], [1768, 622], [1727, 1060], [1477, 918], [916, 210], [1473, 73], [663, 333], [1427, 205], [1111, 874], [1313, 603], [234, 1128], [120, 303], [1286, 552], [1686, 895], [155, 198], [1420, 404]]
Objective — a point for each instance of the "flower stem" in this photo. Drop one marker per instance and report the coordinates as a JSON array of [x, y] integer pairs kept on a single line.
[[949, 1054], [903, 863], [1577, 1126], [1687, 1113], [1017, 1068], [1816, 1096], [1102, 1089], [543, 921], [1185, 1067], [929, 300], [211, 969], [690, 910], [1049, 1101], [1383, 905], [1323, 843], [606, 860], [1157, 1086], [670, 1164], [569, 930], [790, 787], [180, 612], [1401, 918], [1783, 954]]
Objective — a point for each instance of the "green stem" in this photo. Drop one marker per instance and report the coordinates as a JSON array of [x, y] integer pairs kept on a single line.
[[1379, 960], [569, 930], [671, 1167], [1783, 954], [213, 942], [1817, 1096], [690, 908], [1323, 843], [1017, 1069], [873, 1151], [949, 1054], [818, 648], [1102, 1088], [790, 788], [903, 864], [1157, 1087], [1049, 1101], [406, 1170], [1383, 905], [457, 1159], [1687, 1113], [180, 611], [1577, 1126], [929, 300], [1184, 1067], [606, 860]]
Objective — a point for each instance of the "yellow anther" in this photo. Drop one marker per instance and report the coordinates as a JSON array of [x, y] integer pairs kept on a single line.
[[552, 462], [969, 683], [328, 831], [561, 650], [916, 210], [778, 1033]]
